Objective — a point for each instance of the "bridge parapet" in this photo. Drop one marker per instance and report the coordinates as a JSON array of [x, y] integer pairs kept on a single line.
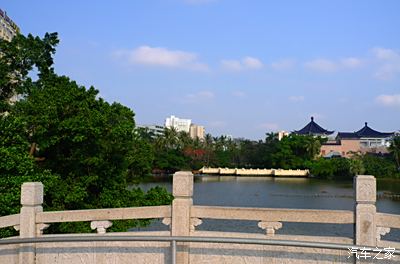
[[183, 217]]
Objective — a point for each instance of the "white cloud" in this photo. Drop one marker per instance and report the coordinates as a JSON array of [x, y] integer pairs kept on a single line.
[[252, 63], [243, 64], [232, 65], [388, 100], [158, 56], [385, 54], [283, 64], [325, 65], [351, 62], [294, 98], [322, 65], [389, 63], [269, 126]]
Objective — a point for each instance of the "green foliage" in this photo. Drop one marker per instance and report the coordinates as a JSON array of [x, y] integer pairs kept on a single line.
[[17, 167], [380, 166], [335, 168], [356, 166], [293, 151], [17, 60], [79, 146], [395, 150]]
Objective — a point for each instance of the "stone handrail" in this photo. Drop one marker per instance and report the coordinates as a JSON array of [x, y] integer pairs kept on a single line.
[[9, 220], [144, 212], [272, 214], [183, 217], [388, 220]]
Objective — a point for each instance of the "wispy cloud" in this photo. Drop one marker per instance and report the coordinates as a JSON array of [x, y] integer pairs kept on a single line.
[[385, 54], [163, 57], [329, 66], [321, 65], [389, 63], [351, 62], [246, 63], [284, 64], [295, 98], [388, 100]]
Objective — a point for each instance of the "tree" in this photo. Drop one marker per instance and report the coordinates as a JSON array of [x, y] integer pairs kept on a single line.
[[169, 154], [62, 134], [17, 167], [395, 150], [17, 60], [81, 138]]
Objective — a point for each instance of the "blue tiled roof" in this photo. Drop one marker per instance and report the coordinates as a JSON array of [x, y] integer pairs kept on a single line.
[[313, 128], [365, 132]]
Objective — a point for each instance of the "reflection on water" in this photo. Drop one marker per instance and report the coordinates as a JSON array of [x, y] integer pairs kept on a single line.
[[269, 192]]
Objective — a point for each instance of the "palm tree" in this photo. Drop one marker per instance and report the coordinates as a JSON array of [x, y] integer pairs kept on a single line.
[[169, 140]]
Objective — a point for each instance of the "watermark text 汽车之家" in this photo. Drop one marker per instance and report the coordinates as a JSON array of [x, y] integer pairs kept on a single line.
[[371, 253]]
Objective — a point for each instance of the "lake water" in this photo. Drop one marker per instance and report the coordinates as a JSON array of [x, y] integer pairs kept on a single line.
[[299, 193]]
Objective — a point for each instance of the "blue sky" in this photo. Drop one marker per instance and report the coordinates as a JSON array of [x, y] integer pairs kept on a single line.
[[242, 68]]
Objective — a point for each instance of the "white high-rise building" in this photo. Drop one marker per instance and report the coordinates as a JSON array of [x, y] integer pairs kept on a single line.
[[178, 123], [8, 29]]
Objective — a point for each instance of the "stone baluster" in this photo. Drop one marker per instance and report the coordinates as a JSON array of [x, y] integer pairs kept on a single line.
[[182, 191], [31, 201], [100, 226], [269, 227], [365, 211], [195, 222]]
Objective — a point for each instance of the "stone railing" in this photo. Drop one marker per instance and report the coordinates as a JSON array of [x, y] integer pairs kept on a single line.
[[255, 172], [183, 217]]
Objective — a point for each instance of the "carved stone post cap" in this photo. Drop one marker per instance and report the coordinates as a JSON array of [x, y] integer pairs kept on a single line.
[[32, 193], [365, 188], [182, 182]]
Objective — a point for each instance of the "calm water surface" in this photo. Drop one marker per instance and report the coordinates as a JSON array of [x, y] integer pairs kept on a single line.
[[299, 193]]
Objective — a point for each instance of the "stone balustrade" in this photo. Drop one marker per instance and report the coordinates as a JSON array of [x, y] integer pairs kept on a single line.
[[183, 218], [255, 172]]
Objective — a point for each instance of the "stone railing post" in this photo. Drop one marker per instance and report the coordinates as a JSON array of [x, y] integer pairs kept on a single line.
[[31, 201], [182, 191], [365, 211]]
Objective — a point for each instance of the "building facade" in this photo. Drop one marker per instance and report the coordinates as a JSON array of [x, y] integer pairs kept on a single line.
[[154, 130], [178, 123], [282, 134], [8, 29], [365, 140], [197, 131]]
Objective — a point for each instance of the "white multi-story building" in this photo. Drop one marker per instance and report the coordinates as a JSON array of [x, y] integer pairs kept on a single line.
[[155, 130], [178, 123], [8, 29]]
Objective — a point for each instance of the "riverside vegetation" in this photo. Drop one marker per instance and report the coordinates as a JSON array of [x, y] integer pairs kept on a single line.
[[87, 151]]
